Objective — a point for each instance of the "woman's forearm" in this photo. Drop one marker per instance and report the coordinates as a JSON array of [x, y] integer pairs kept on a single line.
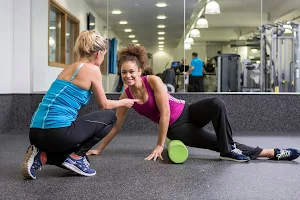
[[163, 129], [106, 140]]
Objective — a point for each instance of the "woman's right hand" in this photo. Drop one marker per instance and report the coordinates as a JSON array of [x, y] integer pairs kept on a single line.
[[93, 152], [129, 102]]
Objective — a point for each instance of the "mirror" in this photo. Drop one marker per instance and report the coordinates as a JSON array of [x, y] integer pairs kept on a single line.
[[232, 40], [220, 37]]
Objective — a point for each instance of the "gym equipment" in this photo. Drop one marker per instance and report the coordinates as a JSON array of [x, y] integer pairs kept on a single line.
[[177, 151], [228, 70], [250, 76], [281, 67]]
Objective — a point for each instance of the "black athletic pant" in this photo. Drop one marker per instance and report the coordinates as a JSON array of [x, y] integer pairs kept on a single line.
[[196, 84], [79, 137], [189, 128]]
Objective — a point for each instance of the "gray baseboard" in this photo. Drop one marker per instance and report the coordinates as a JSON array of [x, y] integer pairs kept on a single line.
[[247, 112]]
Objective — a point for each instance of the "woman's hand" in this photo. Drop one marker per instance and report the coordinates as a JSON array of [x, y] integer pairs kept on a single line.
[[156, 153], [93, 152]]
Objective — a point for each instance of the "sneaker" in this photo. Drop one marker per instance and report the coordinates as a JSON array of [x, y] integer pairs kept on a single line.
[[31, 163], [235, 155], [286, 154], [80, 166]]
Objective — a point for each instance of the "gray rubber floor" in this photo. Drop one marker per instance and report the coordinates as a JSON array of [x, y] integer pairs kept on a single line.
[[122, 172]]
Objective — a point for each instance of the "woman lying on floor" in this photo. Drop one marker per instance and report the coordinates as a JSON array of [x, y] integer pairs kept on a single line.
[[179, 120]]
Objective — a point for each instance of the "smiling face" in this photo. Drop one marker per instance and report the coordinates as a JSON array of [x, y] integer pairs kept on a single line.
[[130, 72]]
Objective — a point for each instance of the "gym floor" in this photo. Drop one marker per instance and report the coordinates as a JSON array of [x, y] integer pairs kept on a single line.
[[122, 172]]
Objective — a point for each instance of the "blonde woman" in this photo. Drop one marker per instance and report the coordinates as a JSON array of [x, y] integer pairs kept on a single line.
[[56, 135]]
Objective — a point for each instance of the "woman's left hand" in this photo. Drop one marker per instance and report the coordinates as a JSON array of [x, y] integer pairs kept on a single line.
[[156, 153]]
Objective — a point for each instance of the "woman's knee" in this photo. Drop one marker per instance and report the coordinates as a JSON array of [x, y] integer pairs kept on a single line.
[[218, 102]]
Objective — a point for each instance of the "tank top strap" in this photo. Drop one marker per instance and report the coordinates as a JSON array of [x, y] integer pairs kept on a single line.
[[129, 95], [76, 72], [147, 85]]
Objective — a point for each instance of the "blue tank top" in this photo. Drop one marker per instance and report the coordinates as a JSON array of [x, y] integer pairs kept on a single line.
[[60, 105]]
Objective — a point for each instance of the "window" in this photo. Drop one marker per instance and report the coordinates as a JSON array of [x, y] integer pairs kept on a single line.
[[63, 31]]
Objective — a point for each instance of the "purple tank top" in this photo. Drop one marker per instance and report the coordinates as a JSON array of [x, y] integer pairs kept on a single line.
[[149, 108]]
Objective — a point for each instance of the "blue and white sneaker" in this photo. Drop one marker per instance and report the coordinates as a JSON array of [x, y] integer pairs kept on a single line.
[[31, 163], [80, 166], [235, 155], [286, 154]]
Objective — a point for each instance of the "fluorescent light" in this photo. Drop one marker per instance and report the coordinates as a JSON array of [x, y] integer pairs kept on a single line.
[[67, 34], [161, 42], [212, 7], [123, 22], [116, 12], [161, 26], [161, 5], [92, 24], [160, 45], [52, 27], [161, 33], [161, 38], [135, 41], [131, 36], [161, 17], [128, 30], [161, 49], [202, 23], [195, 33]]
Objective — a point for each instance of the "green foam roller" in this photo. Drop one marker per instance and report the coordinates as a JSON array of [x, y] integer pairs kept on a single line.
[[178, 153]]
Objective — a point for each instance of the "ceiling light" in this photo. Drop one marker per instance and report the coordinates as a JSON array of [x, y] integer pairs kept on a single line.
[[189, 41], [123, 22], [161, 26], [195, 33], [116, 12], [135, 41], [51, 41], [160, 45], [128, 30], [137, 44], [212, 7], [288, 28], [251, 57], [52, 27], [254, 50], [202, 23], [161, 49], [161, 42], [187, 47], [131, 36], [67, 34], [161, 33], [161, 17], [161, 5], [161, 38]]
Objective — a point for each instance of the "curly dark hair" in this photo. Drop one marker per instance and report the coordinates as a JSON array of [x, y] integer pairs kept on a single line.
[[133, 53]]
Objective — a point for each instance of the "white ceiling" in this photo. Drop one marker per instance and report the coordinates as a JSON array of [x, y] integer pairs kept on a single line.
[[141, 15]]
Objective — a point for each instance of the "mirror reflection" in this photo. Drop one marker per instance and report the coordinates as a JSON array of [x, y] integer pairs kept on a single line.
[[208, 45]]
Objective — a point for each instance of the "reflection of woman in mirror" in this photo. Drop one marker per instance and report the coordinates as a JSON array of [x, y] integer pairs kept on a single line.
[[179, 120], [56, 136]]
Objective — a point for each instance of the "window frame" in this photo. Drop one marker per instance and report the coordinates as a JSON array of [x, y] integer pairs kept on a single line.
[[65, 15]]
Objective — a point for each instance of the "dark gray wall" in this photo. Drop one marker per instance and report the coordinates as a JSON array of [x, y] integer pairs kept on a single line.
[[247, 112]]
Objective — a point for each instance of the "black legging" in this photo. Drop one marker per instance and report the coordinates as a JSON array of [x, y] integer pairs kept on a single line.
[[79, 137], [189, 128]]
